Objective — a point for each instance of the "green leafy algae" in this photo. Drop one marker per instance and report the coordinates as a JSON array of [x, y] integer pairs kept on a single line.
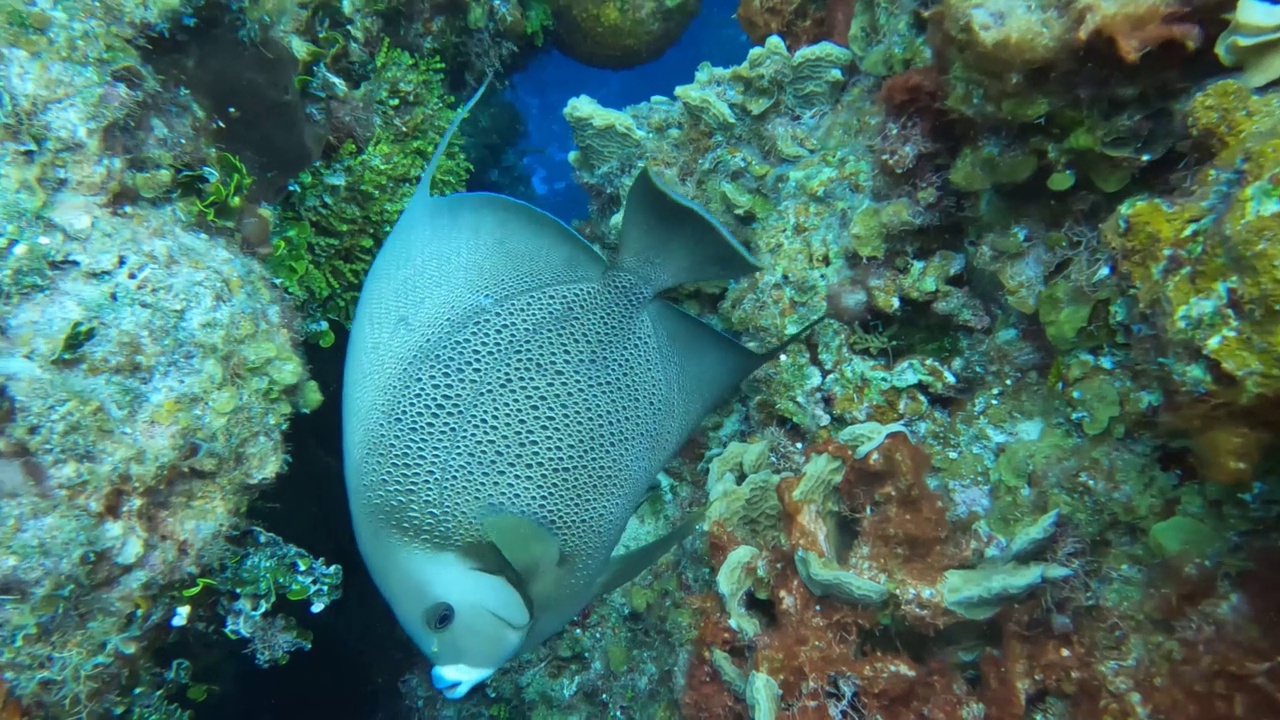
[[340, 210]]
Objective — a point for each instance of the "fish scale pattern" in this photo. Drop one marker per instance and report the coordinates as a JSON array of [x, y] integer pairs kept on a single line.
[[556, 398]]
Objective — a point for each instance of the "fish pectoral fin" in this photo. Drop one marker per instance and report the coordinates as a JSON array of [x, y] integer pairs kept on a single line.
[[625, 567], [532, 549], [674, 241]]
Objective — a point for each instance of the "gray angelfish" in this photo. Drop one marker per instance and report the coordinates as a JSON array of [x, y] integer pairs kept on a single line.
[[510, 397]]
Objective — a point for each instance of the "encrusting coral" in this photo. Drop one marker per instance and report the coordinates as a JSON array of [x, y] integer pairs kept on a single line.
[[1252, 42], [1203, 265]]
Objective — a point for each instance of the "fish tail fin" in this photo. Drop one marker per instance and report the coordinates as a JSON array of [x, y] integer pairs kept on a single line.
[[424, 185], [668, 240]]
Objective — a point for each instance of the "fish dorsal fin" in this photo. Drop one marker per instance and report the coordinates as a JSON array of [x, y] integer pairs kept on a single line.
[[530, 231], [467, 252], [424, 185], [625, 567], [668, 240]]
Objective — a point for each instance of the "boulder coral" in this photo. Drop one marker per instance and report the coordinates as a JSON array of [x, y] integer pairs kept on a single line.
[[618, 34]]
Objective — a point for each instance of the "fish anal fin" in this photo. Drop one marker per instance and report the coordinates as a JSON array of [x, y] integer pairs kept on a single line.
[[668, 240], [627, 566]]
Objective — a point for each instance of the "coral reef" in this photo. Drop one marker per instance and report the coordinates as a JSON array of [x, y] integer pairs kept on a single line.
[[191, 189], [797, 22], [323, 148], [1203, 266], [885, 37], [863, 549], [475, 38], [866, 597], [976, 491], [1034, 34], [1250, 42], [148, 366], [755, 111], [149, 372], [247, 585], [792, 185], [1022, 467]]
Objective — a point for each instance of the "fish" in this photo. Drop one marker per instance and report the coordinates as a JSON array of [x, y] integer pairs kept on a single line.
[[510, 396]]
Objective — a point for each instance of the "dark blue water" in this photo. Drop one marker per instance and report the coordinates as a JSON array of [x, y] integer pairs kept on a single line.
[[542, 89]]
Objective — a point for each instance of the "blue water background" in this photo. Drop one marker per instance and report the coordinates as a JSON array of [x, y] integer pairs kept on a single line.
[[542, 89]]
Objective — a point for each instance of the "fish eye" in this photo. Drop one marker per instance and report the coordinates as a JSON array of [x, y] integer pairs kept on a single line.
[[439, 616]]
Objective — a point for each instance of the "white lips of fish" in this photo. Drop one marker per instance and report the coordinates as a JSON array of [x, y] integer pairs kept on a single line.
[[454, 681]]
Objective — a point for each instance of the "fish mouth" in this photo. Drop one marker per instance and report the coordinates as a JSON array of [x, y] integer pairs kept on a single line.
[[455, 681], [452, 692]]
